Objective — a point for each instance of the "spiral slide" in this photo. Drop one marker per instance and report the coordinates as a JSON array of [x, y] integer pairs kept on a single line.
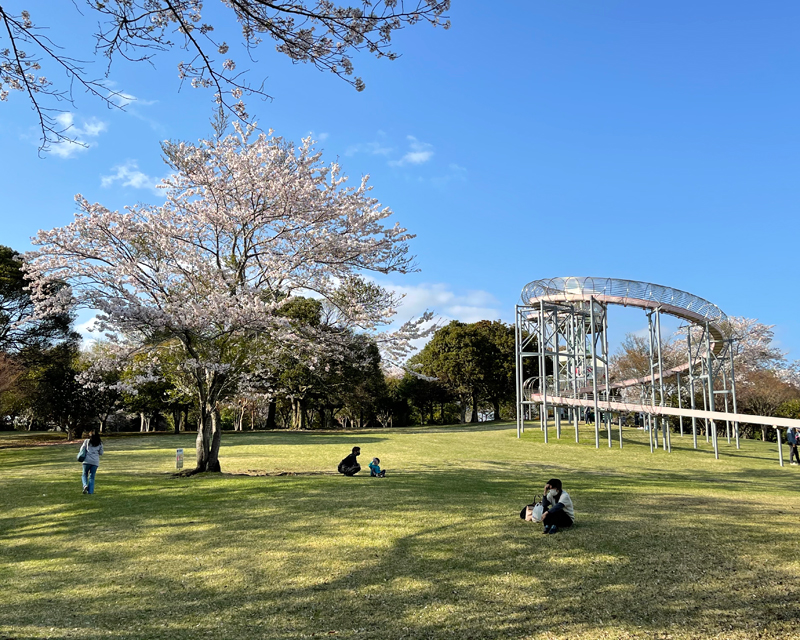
[[550, 297]]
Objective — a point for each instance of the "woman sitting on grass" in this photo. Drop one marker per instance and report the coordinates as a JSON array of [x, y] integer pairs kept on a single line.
[[558, 512]]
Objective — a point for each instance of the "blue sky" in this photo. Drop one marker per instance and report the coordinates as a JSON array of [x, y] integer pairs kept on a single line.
[[650, 141]]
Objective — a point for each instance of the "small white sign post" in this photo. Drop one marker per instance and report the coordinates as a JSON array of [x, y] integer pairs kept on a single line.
[[179, 459]]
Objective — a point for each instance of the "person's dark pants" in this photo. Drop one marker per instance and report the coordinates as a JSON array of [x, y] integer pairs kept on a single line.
[[558, 517], [793, 452], [88, 476], [350, 471]]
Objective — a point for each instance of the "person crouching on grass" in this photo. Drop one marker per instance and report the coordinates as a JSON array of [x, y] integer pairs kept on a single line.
[[558, 512], [349, 466]]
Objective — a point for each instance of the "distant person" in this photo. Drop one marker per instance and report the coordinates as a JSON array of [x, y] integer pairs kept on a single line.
[[557, 510], [375, 469], [349, 466], [792, 437], [94, 449]]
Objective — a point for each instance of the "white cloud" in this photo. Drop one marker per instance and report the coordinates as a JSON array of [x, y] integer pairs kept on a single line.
[[455, 173], [374, 148], [420, 152], [318, 137], [468, 306], [122, 99], [91, 128], [129, 175], [446, 305], [87, 332]]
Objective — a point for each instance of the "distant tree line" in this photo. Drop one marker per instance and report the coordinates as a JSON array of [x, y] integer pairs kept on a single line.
[[465, 373]]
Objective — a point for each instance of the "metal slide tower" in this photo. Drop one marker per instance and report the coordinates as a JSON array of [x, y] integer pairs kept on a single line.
[[562, 343]]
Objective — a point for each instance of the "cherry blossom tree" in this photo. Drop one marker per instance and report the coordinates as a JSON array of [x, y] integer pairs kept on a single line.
[[754, 347], [317, 32], [249, 222]]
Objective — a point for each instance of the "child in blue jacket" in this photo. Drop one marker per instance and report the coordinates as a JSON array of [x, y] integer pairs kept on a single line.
[[375, 470]]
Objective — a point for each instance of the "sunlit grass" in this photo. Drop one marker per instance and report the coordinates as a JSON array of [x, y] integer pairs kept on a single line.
[[666, 545]]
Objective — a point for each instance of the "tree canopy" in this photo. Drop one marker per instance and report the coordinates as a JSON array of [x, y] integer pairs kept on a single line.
[[250, 221], [474, 362], [317, 32], [20, 329]]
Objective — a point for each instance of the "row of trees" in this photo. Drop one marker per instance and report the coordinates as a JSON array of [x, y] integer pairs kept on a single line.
[[247, 292], [48, 381], [244, 293]]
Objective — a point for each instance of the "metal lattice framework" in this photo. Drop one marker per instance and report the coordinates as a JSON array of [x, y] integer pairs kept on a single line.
[[562, 331], [627, 293]]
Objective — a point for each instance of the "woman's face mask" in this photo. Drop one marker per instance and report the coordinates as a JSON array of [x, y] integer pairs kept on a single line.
[[551, 495]]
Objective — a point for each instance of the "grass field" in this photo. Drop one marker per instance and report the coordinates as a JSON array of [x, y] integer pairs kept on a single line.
[[673, 545]]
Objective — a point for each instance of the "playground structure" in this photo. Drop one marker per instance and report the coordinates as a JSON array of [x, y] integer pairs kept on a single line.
[[562, 324]]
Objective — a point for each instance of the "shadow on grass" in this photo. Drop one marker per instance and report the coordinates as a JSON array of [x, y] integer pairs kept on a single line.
[[431, 554]]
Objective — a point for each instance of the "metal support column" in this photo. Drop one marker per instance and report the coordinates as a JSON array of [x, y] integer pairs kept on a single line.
[[519, 376], [542, 372], [573, 325], [664, 423], [733, 395], [711, 390], [594, 374], [653, 434], [727, 422], [605, 356], [556, 374], [691, 386], [680, 405]]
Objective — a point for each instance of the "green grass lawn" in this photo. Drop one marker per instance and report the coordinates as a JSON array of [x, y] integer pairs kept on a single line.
[[673, 545]]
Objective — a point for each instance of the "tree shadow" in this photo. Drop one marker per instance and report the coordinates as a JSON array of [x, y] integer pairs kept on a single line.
[[437, 553]]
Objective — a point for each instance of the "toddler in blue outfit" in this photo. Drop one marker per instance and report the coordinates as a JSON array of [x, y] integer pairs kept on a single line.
[[375, 470]]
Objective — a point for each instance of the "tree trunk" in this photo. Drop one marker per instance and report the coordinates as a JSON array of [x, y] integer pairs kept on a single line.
[[462, 407], [271, 410], [298, 414], [496, 408], [208, 440], [216, 432], [474, 416], [144, 422], [176, 420], [238, 420], [209, 386]]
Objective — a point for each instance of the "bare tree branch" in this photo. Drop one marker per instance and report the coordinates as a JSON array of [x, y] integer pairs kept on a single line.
[[318, 32]]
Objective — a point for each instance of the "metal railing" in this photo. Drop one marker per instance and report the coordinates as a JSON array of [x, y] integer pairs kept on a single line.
[[632, 290]]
